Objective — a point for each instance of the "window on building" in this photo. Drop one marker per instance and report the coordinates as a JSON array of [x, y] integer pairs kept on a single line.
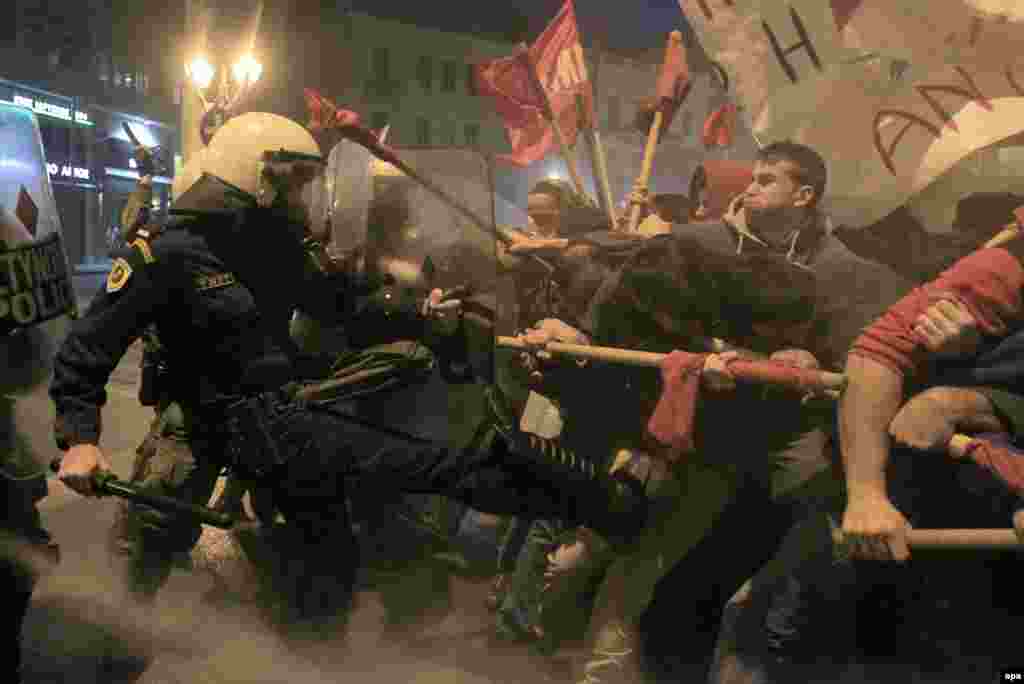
[[381, 64], [422, 131], [379, 120], [448, 133], [472, 133], [425, 73], [448, 76]]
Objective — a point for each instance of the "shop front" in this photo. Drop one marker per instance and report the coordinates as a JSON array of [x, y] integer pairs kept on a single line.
[[67, 133], [117, 170]]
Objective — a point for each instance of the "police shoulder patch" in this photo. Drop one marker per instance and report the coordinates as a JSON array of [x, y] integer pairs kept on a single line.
[[120, 272]]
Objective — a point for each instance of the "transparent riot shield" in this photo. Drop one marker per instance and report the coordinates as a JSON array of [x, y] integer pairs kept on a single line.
[[36, 297], [417, 242]]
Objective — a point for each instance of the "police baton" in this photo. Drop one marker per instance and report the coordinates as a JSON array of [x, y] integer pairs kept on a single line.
[[107, 484]]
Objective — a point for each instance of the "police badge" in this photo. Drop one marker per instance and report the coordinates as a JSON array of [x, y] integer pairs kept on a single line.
[[119, 275]]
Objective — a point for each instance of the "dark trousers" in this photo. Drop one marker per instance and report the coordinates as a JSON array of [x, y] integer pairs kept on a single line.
[[16, 601], [680, 626], [319, 447]]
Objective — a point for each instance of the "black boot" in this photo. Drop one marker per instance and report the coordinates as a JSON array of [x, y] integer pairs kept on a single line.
[[613, 505]]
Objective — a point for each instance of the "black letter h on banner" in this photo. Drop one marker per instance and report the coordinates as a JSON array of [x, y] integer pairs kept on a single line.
[[805, 42]]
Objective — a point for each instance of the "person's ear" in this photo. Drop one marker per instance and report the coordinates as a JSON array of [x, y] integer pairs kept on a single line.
[[804, 196]]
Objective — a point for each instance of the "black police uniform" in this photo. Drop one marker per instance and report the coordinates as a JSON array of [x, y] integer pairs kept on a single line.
[[238, 357]]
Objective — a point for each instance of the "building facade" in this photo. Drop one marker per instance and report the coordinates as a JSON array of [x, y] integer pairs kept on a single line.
[[418, 80], [58, 61]]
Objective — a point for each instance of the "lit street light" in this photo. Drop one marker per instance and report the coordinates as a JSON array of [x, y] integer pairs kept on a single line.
[[247, 70], [200, 72], [218, 107]]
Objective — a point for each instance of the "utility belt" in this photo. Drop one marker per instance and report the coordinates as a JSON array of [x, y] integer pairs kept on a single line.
[[246, 429]]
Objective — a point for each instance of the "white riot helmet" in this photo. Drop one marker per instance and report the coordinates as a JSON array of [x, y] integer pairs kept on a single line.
[[237, 152], [190, 173]]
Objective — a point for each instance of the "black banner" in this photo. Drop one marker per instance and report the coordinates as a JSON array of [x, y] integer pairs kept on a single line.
[[35, 285]]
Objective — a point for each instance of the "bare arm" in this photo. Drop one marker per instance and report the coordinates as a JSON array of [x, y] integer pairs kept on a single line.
[[872, 398]]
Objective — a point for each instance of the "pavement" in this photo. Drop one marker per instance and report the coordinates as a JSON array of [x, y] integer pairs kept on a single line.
[[208, 625]]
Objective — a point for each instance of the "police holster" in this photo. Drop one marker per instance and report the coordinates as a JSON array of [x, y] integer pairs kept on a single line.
[[251, 450]]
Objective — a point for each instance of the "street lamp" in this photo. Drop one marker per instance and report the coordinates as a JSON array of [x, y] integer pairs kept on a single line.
[[200, 72], [247, 70], [218, 107]]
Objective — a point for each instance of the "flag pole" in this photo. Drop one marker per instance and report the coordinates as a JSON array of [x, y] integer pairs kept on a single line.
[[640, 187], [600, 168], [524, 54], [598, 161]]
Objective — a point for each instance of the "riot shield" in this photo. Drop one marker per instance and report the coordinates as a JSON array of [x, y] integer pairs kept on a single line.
[[419, 243], [341, 200], [36, 297]]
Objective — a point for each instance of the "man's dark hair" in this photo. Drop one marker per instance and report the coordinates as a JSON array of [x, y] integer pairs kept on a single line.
[[562, 191], [810, 167]]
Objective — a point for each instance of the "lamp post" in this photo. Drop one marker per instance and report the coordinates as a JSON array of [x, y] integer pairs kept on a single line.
[[219, 104]]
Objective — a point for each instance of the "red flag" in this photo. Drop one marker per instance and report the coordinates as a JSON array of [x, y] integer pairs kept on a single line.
[[673, 80], [718, 127], [507, 81], [324, 115], [556, 58]]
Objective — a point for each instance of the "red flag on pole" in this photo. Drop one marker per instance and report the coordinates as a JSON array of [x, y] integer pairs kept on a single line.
[[673, 82], [557, 59], [324, 115]]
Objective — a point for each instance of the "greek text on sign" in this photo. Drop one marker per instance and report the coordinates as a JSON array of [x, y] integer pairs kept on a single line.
[[34, 284], [67, 171]]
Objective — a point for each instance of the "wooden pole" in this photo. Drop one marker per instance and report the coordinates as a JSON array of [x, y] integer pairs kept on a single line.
[[600, 168], [640, 187], [1009, 232], [951, 539], [629, 357], [549, 114]]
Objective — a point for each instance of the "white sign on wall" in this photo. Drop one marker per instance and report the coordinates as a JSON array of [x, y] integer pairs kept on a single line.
[[68, 171]]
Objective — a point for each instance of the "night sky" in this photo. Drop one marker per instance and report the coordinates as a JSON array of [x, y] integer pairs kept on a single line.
[[617, 23]]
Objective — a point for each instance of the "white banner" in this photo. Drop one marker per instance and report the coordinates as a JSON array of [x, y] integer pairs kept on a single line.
[[833, 76]]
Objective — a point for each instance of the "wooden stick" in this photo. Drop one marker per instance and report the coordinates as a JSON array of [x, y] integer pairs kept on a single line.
[[1008, 232], [951, 539], [549, 114], [957, 447], [640, 186], [652, 144], [628, 357], [600, 168]]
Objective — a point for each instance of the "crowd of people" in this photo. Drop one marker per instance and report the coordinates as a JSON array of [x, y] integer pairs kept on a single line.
[[679, 519]]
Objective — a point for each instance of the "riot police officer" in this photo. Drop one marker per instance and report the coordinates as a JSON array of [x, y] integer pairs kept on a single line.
[[221, 284]]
